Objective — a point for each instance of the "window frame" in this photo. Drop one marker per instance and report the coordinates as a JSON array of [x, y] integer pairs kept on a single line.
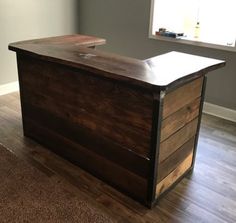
[[182, 40]]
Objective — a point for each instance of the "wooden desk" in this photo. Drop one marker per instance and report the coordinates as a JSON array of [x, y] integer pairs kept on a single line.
[[132, 123]]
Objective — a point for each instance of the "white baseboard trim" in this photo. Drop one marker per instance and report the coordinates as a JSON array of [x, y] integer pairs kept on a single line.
[[219, 111], [9, 88]]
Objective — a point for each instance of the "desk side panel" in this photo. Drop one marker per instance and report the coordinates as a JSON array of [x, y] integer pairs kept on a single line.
[[179, 130]]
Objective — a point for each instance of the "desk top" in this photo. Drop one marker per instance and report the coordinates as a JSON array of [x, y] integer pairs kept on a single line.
[[159, 72], [57, 41]]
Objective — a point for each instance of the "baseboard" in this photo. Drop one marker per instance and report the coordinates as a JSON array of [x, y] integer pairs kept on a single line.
[[219, 111], [9, 88]]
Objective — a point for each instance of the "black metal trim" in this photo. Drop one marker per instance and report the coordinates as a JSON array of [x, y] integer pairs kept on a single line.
[[21, 89], [199, 120], [155, 145]]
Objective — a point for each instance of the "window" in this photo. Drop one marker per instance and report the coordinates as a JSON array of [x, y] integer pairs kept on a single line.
[[200, 22]]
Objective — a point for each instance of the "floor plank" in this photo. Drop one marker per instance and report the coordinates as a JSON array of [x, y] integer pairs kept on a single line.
[[208, 195]]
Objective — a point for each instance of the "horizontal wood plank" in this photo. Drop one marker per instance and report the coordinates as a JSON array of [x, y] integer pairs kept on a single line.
[[174, 175], [179, 119], [182, 96], [175, 159], [175, 141]]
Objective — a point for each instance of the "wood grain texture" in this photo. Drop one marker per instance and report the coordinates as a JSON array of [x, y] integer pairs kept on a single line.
[[175, 141], [117, 112], [174, 175], [175, 68], [170, 163], [58, 41], [182, 96], [179, 119], [208, 195], [149, 74], [93, 141], [99, 166], [101, 125]]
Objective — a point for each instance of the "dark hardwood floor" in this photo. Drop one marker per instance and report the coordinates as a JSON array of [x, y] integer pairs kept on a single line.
[[208, 195]]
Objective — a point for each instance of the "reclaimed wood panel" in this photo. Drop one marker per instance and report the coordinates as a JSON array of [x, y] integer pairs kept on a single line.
[[179, 119], [117, 112], [175, 141], [174, 175], [175, 159], [182, 96], [97, 165], [91, 140]]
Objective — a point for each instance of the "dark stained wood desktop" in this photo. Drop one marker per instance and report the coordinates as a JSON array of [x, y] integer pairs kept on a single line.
[[132, 123], [59, 41], [151, 73]]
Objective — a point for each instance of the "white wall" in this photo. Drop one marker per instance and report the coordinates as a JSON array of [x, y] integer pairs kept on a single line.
[[27, 19]]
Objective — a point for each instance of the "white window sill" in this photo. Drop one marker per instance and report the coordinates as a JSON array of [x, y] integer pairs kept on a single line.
[[193, 42]]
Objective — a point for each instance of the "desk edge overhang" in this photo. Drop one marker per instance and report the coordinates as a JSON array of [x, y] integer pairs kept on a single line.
[[18, 47]]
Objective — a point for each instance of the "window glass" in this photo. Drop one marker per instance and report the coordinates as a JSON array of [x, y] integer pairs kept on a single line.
[[207, 21]]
